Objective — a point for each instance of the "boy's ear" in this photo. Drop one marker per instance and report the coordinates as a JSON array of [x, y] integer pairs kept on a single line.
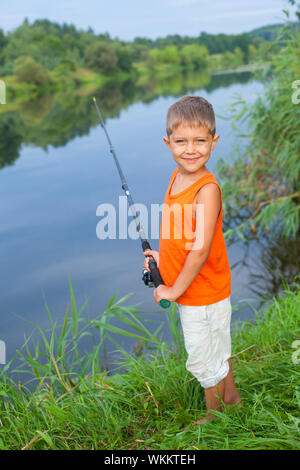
[[167, 142], [214, 141]]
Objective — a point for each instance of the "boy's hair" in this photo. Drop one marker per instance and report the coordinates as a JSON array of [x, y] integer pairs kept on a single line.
[[191, 110]]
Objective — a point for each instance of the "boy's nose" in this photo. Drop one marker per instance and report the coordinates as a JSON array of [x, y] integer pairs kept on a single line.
[[190, 148]]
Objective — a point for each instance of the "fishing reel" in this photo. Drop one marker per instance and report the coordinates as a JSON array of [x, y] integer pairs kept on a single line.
[[148, 281]]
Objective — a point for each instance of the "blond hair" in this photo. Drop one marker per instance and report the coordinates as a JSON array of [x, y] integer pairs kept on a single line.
[[191, 110]]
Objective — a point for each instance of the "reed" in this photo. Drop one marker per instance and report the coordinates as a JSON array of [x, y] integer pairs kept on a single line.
[[69, 401]]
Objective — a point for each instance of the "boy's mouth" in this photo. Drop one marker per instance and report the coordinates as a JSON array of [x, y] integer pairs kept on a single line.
[[191, 160]]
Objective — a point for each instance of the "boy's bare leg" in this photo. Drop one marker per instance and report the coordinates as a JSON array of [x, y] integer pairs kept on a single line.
[[231, 395], [224, 390], [212, 397]]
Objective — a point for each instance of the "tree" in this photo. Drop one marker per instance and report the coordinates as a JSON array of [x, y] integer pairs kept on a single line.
[[238, 56], [170, 55], [156, 56], [102, 57], [27, 70], [252, 53], [65, 66], [194, 56], [3, 42], [124, 55]]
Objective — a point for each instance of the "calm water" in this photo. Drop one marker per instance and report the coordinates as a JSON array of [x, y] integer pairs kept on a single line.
[[50, 194]]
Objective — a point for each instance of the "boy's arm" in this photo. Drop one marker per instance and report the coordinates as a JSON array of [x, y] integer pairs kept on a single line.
[[210, 197]]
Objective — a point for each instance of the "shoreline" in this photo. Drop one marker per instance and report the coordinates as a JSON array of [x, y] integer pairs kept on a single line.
[[145, 407]]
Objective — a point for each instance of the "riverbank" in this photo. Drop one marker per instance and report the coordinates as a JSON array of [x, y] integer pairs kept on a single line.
[[243, 68], [80, 80], [145, 407], [85, 79]]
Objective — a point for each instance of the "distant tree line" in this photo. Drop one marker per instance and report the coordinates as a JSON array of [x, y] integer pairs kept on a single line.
[[33, 51]]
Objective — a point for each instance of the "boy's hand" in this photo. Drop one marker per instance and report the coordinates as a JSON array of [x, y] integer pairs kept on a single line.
[[152, 253], [164, 292]]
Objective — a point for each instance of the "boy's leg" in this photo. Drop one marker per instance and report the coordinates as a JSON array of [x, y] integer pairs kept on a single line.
[[213, 395], [231, 394], [207, 339], [225, 391]]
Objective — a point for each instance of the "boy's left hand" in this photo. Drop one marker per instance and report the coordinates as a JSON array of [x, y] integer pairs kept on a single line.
[[163, 292]]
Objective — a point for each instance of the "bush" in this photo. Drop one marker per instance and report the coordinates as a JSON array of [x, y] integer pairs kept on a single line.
[[65, 66], [194, 56], [27, 70], [102, 57]]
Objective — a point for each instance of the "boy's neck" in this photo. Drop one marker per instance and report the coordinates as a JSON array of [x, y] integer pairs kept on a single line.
[[193, 176]]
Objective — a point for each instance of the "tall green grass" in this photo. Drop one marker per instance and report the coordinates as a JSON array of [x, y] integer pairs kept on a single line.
[[261, 188], [69, 401]]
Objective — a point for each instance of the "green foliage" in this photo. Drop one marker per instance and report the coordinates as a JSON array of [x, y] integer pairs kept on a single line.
[[264, 182], [64, 67], [50, 44], [3, 42], [194, 56], [27, 70], [70, 402], [11, 140], [170, 55], [230, 60], [101, 57], [191, 56], [125, 57]]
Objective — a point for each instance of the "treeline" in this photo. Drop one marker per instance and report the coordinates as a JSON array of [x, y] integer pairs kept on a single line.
[[34, 50]]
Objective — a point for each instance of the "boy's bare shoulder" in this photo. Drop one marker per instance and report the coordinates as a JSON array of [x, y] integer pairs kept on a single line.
[[210, 196]]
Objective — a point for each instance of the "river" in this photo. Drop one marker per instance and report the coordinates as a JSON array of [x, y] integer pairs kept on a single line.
[[57, 170]]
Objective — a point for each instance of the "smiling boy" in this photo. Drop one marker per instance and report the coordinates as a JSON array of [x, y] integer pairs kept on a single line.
[[197, 278]]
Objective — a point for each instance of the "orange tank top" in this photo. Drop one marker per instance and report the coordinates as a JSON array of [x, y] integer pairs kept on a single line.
[[213, 283]]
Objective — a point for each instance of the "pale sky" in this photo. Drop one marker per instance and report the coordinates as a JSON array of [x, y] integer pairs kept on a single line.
[[127, 19]]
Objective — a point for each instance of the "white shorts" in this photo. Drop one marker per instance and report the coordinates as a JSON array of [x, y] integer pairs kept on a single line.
[[207, 340]]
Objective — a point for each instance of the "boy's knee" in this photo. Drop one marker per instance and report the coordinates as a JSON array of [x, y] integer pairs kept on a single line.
[[208, 376]]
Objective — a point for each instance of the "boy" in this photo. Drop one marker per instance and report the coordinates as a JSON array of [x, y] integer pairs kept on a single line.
[[197, 275]]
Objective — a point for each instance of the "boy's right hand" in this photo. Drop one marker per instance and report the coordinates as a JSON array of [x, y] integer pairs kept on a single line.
[[152, 253]]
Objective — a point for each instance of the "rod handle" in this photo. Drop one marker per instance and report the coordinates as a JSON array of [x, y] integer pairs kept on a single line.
[[157, 280], [155, 274]]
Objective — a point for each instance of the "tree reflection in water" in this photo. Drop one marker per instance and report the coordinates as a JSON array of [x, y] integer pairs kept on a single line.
[[57, 119]]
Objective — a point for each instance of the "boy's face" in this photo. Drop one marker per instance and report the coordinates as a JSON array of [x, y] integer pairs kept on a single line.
[[191, 147]]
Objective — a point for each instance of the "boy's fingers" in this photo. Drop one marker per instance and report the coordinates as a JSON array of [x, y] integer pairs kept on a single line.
[[146, 264]]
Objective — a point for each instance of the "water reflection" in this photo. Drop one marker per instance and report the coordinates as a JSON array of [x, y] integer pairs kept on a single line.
[[278, 263], [57, 119]]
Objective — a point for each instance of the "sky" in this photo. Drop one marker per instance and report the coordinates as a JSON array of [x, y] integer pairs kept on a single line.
[[127, 19]]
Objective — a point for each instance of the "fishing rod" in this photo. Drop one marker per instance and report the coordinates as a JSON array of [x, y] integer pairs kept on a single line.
[[153, 278]]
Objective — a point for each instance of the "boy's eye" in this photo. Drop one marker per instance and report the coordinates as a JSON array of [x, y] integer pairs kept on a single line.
[[179, 141]]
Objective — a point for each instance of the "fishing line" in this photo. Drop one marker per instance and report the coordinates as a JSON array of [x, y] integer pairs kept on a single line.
[[153, 278]]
